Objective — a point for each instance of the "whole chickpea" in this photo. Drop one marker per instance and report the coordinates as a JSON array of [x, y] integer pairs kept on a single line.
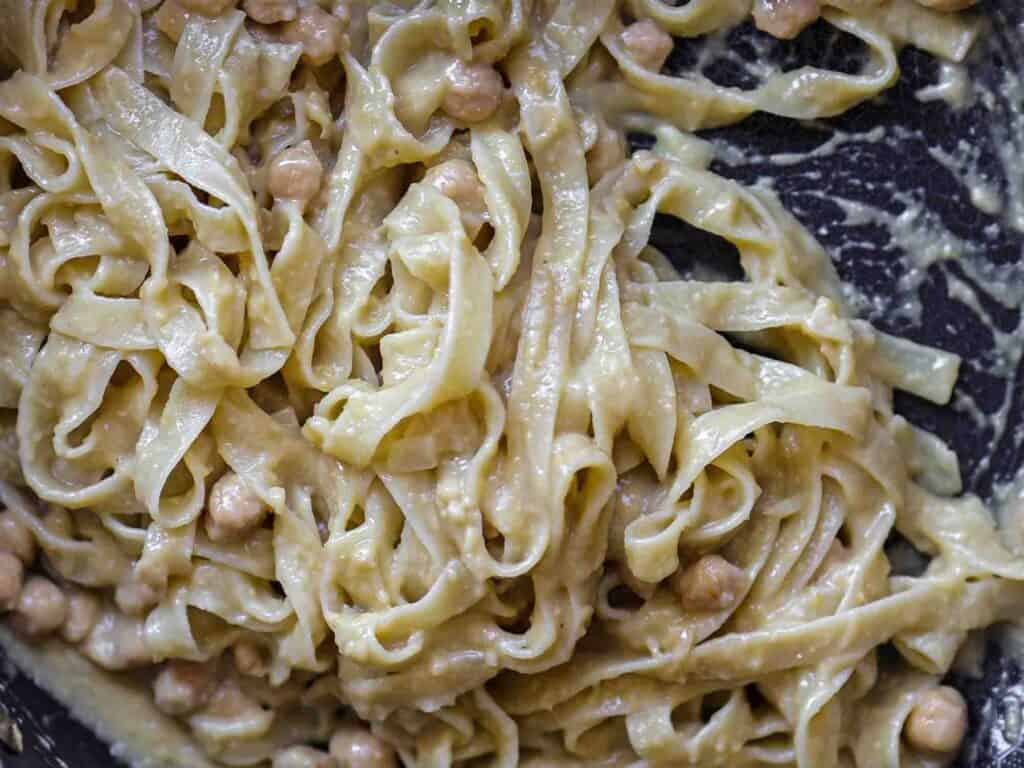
[[41, 607], [321, 34], [83, 610], [712, 583], [473, 92], [233, 509], [117, 642], [295, 174], [458, 181], [16, 538], [353, 746], [182, 687], [135, 597], [938, 721]]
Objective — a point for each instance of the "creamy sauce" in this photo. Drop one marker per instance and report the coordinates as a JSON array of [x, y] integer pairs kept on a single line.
[[1006, 103], [920, 240], [983, 191], [923, 242], [953, 86], [829, 147], [1008, 507]]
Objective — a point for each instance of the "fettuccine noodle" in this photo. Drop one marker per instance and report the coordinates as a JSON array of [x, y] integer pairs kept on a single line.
[[342, 392]]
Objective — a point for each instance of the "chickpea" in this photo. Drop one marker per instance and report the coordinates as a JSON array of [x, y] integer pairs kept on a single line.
[[302, 757], [785, 19], [938, 721], [228, 700], [457, 180], [321, 34], [249, 659], [41, 607], [183, 687], [355, 747], [647, 44], [710, 584], [170, 18], [117, 642], [270, 11], [296, 174], [473, 92], [608, 152], [12, 576], [83, 609], [135, 597], [233, 509], [208, 7], [16, 538]]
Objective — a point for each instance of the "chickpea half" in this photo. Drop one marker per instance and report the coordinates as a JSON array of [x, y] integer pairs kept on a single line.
[[171, 18], [785, 19], [647, 44]]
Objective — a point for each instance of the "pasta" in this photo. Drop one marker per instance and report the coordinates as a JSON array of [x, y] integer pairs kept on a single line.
[[344, 395]]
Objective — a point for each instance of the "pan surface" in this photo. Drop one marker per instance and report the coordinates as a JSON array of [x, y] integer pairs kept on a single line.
[[921, 204]]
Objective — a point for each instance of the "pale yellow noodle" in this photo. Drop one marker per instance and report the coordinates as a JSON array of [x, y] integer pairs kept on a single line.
[[487, 446]]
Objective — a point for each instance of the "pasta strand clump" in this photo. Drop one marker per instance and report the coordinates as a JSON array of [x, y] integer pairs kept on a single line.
[[341, 383]]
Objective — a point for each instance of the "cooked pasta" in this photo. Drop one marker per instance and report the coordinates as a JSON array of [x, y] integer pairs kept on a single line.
[[344, 395]]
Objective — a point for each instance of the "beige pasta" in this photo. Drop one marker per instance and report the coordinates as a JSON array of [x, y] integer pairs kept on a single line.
[[355, 408]]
